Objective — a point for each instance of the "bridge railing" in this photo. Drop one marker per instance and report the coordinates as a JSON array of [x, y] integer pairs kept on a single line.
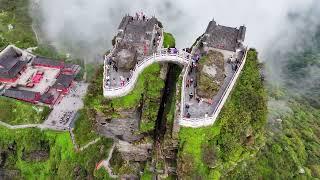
[[181, 57]]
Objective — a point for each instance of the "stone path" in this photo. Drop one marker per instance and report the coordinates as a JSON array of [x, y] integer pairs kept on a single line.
[[65, 111], [20, 126], [106, 163]]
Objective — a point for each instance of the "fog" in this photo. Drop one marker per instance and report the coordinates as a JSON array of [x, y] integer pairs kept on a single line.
[[92, 24], [85, 28]]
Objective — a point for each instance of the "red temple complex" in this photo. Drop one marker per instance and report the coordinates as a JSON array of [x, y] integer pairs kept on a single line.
[[34, 79]]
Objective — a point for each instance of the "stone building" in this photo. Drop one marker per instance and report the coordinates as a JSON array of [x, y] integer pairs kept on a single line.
[[225, 39], [137, 37]]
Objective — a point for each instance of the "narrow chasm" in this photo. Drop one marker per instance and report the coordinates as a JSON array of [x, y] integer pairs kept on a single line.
[[164, 124]]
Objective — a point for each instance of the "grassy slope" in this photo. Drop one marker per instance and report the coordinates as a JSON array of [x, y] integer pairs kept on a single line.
[[169, 40], [62, 159], [295, 147], [16, 112], [149, 84], [292, 148], [211, 151], [16, 14]]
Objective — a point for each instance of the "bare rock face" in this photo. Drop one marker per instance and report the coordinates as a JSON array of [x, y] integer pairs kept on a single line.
[[126, 59], [135, 153], [122, 129]]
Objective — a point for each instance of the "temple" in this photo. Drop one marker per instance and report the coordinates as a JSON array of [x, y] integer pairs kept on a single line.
[[11, 64], [137, 37], [34, 79], [223, 38]]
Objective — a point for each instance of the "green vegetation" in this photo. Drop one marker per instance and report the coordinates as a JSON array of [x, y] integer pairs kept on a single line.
[[169, 41], [208, 84], [83, 130], [293, 139], [210, 152], [16, 13], [148, 87], [291, 150], [36, 154], [147, 90], [15, 112], [49, 52]]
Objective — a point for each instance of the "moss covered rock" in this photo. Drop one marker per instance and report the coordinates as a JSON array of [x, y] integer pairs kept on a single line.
[[210, 74]]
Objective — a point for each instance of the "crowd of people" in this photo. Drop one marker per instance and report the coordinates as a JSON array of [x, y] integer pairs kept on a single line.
[[191, 83]]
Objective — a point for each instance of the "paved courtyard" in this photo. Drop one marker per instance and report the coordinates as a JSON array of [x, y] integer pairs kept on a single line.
[[48, 79], [66, 108]]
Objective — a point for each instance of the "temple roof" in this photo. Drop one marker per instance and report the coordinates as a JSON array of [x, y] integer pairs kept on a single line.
[[20, 94], [10, 63], [224, 37]]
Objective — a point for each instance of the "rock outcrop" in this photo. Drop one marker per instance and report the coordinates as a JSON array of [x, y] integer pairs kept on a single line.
[[211, 74], [126, 59]]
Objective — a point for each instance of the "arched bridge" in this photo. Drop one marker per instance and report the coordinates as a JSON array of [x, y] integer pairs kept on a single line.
[[178, 57], [163, 55]]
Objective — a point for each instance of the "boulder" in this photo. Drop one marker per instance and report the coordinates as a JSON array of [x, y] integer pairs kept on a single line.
[[126, 59]]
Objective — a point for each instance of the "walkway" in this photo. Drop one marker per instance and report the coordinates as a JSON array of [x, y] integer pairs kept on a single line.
[[163, 55], [184, 58], [106, 163]]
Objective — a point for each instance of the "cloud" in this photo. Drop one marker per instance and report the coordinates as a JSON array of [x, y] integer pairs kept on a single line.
[[92, 24]]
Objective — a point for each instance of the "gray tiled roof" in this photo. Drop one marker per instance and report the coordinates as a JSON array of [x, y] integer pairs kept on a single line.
[[9, 58], [223, 37], [10, 63], [63, 81], [46, 61], [136, 30], [20, 94]]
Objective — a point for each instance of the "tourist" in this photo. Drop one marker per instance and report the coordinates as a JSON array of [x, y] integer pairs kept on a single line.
[[188, 115], [191, 81], [206, 115], [194, 84], [114, 82], [198, 99], [188, 83], [190, 95], [187, 106], [110, 61]]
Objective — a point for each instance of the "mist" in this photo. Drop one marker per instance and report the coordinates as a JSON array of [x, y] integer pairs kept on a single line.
[[275, 28], [92, 24]]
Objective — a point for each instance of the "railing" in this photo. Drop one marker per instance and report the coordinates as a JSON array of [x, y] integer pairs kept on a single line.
[[206, 121], [181, 57], [163, 55], [184, 79]]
